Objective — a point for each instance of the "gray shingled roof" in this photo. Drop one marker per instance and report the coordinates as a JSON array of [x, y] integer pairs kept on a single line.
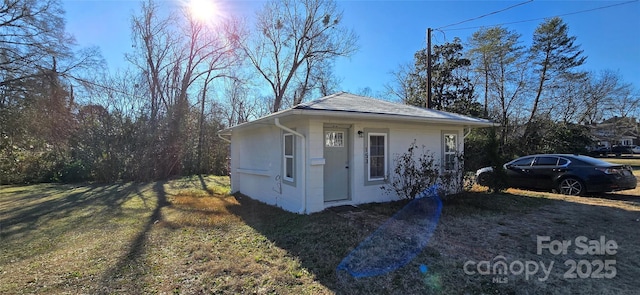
[[347, 102], [343, 103]]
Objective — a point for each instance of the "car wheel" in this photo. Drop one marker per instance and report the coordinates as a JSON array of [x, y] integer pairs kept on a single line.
[[571, 186], [484, 179]]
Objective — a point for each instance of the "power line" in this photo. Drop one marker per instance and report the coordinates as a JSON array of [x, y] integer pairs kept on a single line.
[[542, 18], [485, 15]]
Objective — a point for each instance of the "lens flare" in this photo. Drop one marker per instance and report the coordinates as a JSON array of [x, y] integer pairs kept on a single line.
[[398, 240], [203, 10]]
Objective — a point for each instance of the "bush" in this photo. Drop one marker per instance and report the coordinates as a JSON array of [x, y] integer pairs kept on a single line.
[[412, 174], [75, 171], [496, 158]]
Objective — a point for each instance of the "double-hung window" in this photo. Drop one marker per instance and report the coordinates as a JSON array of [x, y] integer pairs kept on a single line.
[[377, 156], [450, 150], [289, 157]]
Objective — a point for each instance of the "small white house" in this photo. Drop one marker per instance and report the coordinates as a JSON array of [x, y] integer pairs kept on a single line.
[[337, 150]]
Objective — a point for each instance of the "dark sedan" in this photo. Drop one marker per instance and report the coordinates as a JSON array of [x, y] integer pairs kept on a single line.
[[566, 174]]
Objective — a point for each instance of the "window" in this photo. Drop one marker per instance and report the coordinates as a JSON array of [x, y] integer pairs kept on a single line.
[[288, 156], [523, 162], [546, 161], [450, 150], [377, 156], [334, 139]]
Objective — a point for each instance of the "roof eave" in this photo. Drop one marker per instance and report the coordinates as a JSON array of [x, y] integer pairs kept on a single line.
[[480, 123], [395, 117], [272, 116]]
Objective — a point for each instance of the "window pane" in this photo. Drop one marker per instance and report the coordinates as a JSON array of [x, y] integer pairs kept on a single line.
[[377, 167], [523, 162], [288, 173], [334, 139], [449, 161], [449, 143], [377, 145], [288, 145], [546, 161], [377, 156]]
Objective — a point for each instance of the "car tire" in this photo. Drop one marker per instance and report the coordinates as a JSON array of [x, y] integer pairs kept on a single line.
[[571, 186], [484, 178]]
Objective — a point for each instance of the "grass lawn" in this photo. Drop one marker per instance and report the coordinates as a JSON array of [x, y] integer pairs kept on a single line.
[[188, 236], [633, 162]]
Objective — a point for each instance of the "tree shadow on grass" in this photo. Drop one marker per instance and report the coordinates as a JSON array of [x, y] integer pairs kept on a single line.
[[130, 267], [619, 197], [204, 186], [53, 223], [34, 215]]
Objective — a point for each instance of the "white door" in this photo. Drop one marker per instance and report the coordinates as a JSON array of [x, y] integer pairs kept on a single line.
[[336, 167]]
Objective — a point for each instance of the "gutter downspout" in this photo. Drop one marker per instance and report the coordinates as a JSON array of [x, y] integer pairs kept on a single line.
[[303, 209], [466, 132], [220, 135]]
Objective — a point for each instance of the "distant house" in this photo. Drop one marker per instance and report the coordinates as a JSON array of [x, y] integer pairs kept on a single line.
[[336, 150], [616, 131]]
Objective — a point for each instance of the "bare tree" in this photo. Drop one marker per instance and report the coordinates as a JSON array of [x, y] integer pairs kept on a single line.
[[291, 39], [570, 100], [603, 94], [237, 106], [154, 41], [31, 32], [179, 57], [401, 87], [33, 43]]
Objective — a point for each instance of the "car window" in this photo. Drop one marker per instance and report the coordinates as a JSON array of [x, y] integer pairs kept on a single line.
[[562, 161], [546, 161], [523, 162]]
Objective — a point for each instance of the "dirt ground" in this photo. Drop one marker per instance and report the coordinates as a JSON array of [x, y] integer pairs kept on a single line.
[[188, 236]]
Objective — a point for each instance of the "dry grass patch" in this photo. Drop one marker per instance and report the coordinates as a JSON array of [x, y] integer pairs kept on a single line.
[[188, 236], [635, 164], [62, 238]]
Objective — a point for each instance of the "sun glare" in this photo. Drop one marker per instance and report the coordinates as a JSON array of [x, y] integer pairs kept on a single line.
[[203, 10]]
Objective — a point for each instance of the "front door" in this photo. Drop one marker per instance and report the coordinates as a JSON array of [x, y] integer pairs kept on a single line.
[[336, 167]]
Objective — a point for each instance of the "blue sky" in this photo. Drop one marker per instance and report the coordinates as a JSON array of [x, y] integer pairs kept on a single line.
[[390, 32]]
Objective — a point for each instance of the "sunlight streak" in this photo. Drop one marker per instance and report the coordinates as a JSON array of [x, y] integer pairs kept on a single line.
[[205, 11]]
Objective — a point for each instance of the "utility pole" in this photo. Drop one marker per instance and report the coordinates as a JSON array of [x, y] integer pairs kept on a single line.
[[428, 102]]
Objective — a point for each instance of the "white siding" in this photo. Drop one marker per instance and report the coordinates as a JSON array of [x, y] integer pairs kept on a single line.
[[315, 175], [256, 160], [256, 166], [400, 137]]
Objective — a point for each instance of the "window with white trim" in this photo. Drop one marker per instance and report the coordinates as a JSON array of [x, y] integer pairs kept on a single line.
[[450, 150], [288, 157], [377, 156]]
